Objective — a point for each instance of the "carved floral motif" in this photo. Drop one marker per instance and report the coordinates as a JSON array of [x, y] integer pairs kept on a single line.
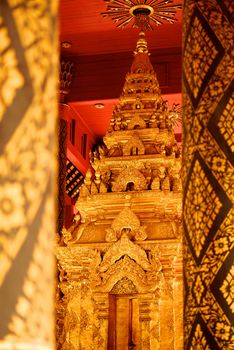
[[130, 176], [126, 222], [124, 286]]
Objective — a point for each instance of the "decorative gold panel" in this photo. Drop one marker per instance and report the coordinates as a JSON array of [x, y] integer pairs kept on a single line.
[[28, 110], [208, 174]]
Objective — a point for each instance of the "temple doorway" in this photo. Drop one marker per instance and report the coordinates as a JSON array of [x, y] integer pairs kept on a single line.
[[123, 325]]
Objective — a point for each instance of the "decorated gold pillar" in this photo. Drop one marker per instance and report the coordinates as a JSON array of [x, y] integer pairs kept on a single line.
[[66, 68], [28, 108], [208, 174], [62, 161]]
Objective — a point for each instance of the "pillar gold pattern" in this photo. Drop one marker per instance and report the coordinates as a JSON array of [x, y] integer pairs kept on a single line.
[[208, 174], [28, 108], [62, 161], [65, 81]]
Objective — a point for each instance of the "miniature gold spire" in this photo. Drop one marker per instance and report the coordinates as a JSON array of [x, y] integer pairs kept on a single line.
[[141, 62], [141, 46], [141, 104]]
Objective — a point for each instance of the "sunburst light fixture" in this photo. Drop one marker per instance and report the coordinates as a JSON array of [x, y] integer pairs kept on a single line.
[[141, 13]]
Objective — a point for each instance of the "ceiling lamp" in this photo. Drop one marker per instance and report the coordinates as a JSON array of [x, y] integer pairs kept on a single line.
[[99, 105], [141, 13], [66, 45]]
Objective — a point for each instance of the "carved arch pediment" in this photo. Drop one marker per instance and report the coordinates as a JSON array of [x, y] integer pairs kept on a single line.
[[126, 221], [124, 286], [130, 175], [136, 121], [126, 267], [124, 247], [134, 146]]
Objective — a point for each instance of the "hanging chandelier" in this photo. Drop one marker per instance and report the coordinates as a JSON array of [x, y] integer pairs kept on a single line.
[[143, 14]]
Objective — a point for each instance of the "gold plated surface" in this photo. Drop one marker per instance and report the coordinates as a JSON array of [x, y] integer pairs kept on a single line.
[[208, 174], [120, 263]]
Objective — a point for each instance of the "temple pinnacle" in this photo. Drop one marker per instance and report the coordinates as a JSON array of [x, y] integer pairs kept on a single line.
[[141, 46]]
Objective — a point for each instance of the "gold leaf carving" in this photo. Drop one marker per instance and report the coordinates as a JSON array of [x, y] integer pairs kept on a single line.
[[127, 222], [124, 247], [130, 175]]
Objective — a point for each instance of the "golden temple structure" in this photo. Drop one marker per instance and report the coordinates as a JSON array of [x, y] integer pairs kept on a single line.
[[120, 269], [120, 264]]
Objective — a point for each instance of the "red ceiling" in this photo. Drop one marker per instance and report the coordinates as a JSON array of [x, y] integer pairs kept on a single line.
[[94, 41], [82, 24]]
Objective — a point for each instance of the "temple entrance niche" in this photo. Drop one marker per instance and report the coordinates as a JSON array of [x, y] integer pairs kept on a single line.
[[129, 317], [123, 322], [123, 325]]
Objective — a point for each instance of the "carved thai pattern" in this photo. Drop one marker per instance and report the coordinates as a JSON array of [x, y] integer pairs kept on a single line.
[[125, 247], [126, 222], [124, 286], [134, 146], [126, 267], [136, 122], [101, 312], [130, 176], [208, 173]]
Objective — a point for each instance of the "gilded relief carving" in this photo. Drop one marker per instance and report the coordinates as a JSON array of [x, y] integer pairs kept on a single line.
[[129, 176], [124, 286], [208, 160], [126, 222]]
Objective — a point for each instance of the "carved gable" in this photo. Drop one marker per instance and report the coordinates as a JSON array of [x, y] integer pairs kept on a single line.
[[125, 247], [133, 147], [127, 177], [126, 222], [136, 122]]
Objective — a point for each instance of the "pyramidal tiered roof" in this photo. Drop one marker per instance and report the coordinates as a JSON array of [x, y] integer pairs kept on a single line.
[[139, 153], [141, 130], [141, 96]]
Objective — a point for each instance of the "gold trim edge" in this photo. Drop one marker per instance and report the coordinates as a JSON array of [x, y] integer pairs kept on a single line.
[[133, 8]]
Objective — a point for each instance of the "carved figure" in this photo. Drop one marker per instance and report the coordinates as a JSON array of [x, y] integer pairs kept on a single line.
[[166, 184], [155, 185], [84, 191]]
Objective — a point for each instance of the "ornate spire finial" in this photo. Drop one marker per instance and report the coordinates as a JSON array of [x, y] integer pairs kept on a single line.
[[141, 63], [141, 46]]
